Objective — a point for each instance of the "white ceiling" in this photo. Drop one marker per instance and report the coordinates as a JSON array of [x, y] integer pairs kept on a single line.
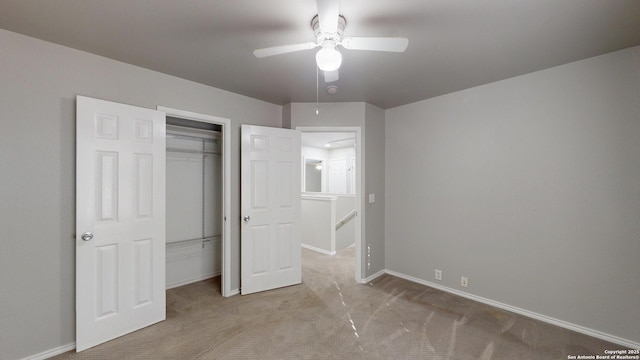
[[453, 44]]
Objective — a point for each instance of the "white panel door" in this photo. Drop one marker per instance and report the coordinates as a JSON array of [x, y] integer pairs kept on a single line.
[[270, 250], [120, 220], [338, 176]]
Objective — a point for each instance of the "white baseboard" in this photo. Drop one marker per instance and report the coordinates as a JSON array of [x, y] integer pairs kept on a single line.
[[373, 277], [544, 318], [52, 352], [313, 248], [547, 319]]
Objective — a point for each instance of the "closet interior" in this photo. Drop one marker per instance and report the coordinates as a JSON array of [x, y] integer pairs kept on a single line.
[[194, 201]]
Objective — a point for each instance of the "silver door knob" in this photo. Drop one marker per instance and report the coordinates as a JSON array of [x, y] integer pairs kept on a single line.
[[246, 218], [86, 236]]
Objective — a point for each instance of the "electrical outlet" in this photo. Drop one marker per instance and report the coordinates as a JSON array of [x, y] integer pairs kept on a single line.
[[438, 274], [464, 281]]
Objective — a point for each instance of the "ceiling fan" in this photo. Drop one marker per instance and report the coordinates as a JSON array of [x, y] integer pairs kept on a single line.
[[328, 27]]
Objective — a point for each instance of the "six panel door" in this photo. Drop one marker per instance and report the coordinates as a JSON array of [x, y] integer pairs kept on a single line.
[[120, 220], [270, 193]]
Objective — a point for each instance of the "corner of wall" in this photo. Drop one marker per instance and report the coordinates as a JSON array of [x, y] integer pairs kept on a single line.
[[286, 116], [374, 142]]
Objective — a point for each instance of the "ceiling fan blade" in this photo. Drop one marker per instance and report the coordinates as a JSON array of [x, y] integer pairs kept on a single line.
[[283, 49], [331, 76], [328, 13], [376, 43]]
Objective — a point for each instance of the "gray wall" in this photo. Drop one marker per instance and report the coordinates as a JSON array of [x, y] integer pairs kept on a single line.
[[38, 85], [531, 187], [371, 121], [286, 116]]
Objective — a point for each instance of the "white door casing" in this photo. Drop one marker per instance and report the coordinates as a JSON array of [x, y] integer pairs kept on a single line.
[[352, 176], [360, 243], [226, 186], [120, 199], [270, 201]]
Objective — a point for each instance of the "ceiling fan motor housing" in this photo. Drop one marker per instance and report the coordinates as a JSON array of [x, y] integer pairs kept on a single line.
[[320, 36]]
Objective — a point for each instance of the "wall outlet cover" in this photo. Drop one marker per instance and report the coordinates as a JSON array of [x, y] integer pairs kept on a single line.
[[438, 275]]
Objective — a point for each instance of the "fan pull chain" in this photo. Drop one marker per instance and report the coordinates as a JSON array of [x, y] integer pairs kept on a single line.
[[317, 87]]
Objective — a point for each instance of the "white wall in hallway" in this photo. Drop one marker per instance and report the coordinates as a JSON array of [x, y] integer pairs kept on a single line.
[[371, 121]]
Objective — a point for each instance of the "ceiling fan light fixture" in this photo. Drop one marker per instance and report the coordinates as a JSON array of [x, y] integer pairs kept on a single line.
[[328, 58]]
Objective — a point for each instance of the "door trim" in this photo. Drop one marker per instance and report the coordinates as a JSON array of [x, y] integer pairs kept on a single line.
[[360, 198], [226, 186]]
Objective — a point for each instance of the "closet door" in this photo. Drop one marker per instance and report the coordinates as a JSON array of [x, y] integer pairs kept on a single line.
[[120, 220], [270, 195]]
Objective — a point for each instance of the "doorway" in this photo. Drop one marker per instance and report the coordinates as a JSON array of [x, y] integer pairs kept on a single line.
[[212, 134], [332, 163], [193, 201]]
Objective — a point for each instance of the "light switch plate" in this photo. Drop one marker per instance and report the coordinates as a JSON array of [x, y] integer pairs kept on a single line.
[[372, 198]]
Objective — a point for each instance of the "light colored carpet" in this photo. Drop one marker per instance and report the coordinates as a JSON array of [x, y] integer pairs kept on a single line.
[[330, 316]]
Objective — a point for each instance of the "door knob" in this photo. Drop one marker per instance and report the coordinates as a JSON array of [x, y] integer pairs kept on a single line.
[[86, 236], [246, 218]]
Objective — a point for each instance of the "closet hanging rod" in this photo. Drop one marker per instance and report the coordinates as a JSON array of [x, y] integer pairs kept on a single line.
[[185, 151], [189, 131], [192, 129], [189, 137]]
